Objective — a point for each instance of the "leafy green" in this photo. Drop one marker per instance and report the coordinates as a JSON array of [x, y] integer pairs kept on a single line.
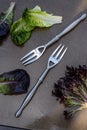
[[72, 90], [6, 18], [14, 82], [21, 29], [39, 18]]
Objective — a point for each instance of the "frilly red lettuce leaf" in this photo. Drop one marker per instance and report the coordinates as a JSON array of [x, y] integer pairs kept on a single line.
[[71, 90]]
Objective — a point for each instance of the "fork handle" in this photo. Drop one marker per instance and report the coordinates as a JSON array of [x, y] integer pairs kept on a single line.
[[31, 93], [66, 30]]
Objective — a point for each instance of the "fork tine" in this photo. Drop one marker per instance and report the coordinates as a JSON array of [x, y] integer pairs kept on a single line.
[[28, 59], [59, 51], [63, 53], [30, 53], [56, 50]]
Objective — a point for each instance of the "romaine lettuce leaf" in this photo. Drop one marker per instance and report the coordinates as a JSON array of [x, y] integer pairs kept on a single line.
[[14, 82], [21, 30], [39, 18], [6, 18]]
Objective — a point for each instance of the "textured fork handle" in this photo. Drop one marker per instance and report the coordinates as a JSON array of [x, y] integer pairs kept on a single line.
[[66, 30], [31, 93]]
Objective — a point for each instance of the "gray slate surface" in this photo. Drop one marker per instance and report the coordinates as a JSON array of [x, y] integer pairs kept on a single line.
[[44, 112]]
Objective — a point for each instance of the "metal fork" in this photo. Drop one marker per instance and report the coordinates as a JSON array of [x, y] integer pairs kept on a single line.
[[53, 60], [37, 53]]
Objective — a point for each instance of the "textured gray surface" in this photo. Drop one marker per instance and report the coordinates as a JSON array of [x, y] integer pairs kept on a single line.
[[44, 112]]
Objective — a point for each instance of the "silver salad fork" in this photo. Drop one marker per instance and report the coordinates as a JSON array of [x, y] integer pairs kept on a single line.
[[53, 60], [37, 53]]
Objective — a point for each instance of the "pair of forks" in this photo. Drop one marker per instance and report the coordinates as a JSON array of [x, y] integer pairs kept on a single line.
[[53, 60]]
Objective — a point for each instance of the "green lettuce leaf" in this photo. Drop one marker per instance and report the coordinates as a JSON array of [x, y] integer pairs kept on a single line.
[[21, 29], [39, 18]]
